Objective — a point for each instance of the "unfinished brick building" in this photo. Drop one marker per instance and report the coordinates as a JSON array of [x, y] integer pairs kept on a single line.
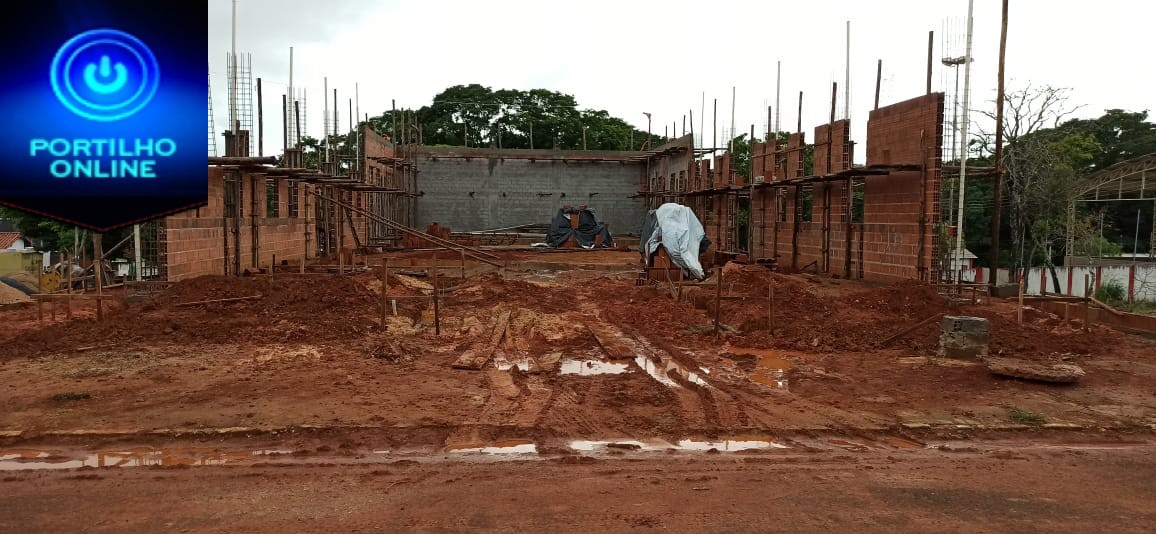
[[257, 214], [876, 221]]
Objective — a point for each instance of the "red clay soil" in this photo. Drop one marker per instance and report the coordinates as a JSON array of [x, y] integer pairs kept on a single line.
[[291, 307], [825, 314], [972, 490]]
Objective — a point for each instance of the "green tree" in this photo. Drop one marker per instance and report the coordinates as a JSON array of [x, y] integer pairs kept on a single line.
[[509, 118]]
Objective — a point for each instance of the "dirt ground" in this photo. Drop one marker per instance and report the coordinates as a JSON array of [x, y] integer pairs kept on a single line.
[[980, 487], [558, 363]]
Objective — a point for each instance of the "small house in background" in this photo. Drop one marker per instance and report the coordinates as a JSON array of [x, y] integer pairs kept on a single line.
[[965, 263], [14, 241]]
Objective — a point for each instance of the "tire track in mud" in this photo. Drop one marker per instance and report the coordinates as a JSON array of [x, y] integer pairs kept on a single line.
[[565, 412], [534, 402]]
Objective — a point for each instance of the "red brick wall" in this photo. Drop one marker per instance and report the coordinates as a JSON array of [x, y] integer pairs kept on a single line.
[[196, 239], [907, 133], [894, 204]]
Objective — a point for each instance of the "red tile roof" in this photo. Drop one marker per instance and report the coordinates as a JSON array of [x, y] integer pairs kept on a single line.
[[7, 239]]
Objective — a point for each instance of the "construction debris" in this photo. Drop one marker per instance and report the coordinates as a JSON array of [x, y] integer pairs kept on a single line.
[[1060, 373], [963, 337], [477, 358]]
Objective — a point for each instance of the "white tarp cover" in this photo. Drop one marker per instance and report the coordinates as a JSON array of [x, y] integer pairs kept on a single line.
[[681, 234]]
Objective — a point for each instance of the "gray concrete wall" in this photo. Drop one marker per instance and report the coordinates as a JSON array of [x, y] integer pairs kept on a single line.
[[485, 193]]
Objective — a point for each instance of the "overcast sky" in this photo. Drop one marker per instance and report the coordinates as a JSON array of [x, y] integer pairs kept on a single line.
[[630, 57]]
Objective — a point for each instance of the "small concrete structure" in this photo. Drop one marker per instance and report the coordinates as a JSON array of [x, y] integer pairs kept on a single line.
[[963, 337]]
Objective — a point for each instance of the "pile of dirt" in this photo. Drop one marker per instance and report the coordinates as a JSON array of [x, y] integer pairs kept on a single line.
[[11, 295], [290, 307], [813, 313]]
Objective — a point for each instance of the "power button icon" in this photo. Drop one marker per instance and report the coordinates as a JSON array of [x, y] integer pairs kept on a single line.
[[104, 75]]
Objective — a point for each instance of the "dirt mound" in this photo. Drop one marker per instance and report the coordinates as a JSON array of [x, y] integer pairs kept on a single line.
[[290, 307], [11, 295]]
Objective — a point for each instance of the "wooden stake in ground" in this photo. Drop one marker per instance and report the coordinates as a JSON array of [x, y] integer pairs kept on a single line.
[[771, 306], [385, 289], [718, 303], [1020, 308], [97, 271], [437, 309], [1087, 302], [68, 303]]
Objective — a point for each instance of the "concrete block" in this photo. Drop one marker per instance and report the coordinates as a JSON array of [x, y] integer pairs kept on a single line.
[[963, 337]]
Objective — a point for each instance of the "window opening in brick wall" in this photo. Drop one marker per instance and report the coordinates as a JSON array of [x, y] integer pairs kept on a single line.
[[294, 192], [272, 198], [805, 202], [781, 203], [857, 204], [232, 197]]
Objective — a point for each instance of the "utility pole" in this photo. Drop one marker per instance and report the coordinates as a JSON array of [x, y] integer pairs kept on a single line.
[[999, 152], [963, 157]]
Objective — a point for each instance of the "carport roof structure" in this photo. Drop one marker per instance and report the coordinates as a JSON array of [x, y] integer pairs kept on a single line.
[[1133, 179]]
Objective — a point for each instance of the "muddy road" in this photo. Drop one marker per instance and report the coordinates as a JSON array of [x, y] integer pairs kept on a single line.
[[1009, 486]]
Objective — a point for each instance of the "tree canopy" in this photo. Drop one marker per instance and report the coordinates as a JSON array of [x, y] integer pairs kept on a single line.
[[475, 115]]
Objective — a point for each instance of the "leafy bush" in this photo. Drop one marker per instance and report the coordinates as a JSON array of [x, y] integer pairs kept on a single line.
[[1110, 291]]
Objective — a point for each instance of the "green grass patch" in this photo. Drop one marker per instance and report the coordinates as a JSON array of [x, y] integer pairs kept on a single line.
[[1024, 417]]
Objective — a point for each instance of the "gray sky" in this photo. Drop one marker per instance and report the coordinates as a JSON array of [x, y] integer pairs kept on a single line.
[[628, 57]]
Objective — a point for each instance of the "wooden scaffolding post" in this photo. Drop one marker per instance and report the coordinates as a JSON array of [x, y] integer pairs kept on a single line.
[[341, 237], [97, 253]]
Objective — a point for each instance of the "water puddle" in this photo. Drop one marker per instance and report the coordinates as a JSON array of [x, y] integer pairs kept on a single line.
[[728, 445], [660, 372], [621, 444], [770, 368], [505, 363], [509, 446], [26, 459], [689, 444], [592, 367]]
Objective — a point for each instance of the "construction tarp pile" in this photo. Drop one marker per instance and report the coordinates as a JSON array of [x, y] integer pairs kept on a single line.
[[587, 233], [675, 228]]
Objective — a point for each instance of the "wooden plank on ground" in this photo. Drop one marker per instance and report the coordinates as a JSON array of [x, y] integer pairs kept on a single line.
[[475, 359], [611, 341]]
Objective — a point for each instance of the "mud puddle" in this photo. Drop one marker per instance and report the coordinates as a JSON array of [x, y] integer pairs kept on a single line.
[[689, 444], [660, 371], [508, 446], [769, 367], [592, 367], [28, 459]]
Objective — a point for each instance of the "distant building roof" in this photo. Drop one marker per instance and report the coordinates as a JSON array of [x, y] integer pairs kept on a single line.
[[7, 239]]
